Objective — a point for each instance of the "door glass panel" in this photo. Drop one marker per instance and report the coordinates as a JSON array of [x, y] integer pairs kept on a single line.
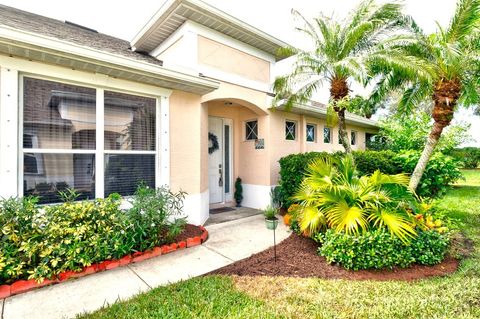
[[227, 159]]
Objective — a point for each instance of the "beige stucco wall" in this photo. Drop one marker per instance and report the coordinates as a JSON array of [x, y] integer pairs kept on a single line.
[[187, 140], [281, 147], [227, 59]]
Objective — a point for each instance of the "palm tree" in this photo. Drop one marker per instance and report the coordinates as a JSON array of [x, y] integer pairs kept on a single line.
[[448, 74], [342, 51], [333, 196]]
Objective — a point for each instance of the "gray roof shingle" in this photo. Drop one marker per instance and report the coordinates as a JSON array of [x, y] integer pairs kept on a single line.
[[57, 29]]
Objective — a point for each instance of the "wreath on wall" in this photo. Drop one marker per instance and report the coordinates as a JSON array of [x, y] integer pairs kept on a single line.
[[212, 143]]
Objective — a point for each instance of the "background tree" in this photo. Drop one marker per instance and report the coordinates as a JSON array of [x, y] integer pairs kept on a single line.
[[342, 51], [448, 74]]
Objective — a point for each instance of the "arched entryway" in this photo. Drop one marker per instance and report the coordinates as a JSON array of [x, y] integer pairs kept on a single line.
[[235, 127]]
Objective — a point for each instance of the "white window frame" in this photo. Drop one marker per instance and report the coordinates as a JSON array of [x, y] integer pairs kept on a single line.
[[162, 169], [353, 133], [295, 130], [314, 132]]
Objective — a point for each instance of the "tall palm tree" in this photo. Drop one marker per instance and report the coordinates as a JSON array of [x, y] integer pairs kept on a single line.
[[449, 65], [342, 51]]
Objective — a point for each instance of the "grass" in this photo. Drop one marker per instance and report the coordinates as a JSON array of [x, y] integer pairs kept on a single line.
[[454, 296]]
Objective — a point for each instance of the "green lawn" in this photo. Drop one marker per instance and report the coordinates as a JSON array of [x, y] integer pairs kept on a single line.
[[455, 296]]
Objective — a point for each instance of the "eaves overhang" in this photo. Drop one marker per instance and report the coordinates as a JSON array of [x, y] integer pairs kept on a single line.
[[174, 13], [35, 47]]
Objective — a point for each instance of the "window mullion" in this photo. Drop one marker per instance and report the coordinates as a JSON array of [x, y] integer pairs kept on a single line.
[[100, 145]]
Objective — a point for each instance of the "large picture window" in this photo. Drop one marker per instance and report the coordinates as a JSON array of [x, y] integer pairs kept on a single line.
[[60, 146]]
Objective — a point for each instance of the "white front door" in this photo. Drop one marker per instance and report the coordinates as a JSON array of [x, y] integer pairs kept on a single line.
[[215, 159]]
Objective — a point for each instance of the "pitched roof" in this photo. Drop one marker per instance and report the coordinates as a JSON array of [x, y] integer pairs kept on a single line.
[[70, 32], [174, 13]]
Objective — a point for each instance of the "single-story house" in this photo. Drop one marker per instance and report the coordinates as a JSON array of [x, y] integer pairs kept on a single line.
[[186, 103]]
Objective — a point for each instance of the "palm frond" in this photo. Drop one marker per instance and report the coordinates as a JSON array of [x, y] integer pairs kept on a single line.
[[464, 21], [397, 224]]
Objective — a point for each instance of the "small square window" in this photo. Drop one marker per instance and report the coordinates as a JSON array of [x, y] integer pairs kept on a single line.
[[327, 135], [311, 131], [251, 130], [290, 130], [353, 137]]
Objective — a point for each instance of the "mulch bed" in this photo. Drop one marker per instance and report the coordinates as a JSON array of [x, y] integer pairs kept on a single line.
[[297, 257], [190, 231]]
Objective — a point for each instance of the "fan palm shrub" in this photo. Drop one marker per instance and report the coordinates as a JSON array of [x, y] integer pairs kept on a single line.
[[333, 196], [447, 74], [342, 51]]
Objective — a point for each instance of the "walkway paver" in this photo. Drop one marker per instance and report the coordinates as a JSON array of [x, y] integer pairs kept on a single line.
[[228, 242]]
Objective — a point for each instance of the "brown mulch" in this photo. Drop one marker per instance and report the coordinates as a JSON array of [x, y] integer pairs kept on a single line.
[[297, 257], [189, 231]]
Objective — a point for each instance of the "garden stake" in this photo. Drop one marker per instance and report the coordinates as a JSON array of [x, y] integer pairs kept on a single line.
[[274, 247]]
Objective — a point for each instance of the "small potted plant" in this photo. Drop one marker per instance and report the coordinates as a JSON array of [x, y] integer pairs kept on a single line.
[[271, 221], [238, 191]]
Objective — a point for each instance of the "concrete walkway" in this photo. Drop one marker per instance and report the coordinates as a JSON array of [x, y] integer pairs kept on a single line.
[[227, 243]]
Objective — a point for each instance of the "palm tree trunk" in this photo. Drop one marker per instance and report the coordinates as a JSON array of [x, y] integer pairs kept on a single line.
[[339, 90], [342, 130], [432, 142], [445, 98]]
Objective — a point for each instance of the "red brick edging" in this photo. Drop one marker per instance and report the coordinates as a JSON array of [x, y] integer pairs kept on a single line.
[[21, 286]]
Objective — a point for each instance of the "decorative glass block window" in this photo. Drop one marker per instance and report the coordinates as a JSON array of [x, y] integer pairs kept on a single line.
[[327, 135], [251, 130], [339, 137], [290, 130], [311, 131], [129, 135], [353, 138], [58, 139]]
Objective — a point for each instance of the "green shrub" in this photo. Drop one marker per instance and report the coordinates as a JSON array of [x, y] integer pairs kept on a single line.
[[441, 171], [377, 249], [40, 242], [468, 157], [367, 162]]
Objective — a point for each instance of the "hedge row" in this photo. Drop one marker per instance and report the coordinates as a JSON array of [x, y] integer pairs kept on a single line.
[[441, 170], [469, 157]]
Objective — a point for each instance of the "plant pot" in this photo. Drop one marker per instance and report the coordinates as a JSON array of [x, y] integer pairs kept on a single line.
[[271, 223], [238, 204]]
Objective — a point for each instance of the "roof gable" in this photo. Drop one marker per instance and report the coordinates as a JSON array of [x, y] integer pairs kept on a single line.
[[174, 13]]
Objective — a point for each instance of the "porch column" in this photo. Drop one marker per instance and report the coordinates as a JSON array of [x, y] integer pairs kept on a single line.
[[9, 141]]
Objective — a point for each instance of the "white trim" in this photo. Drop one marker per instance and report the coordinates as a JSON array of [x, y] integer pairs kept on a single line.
[[256, 196], [100, 144], [169, 9], [164, 141], [196, 208], [55, 150], [93, 80], [9, 145], [70, 50], [130, 152]]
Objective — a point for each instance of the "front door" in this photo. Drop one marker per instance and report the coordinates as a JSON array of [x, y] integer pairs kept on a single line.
[[215, 160]]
